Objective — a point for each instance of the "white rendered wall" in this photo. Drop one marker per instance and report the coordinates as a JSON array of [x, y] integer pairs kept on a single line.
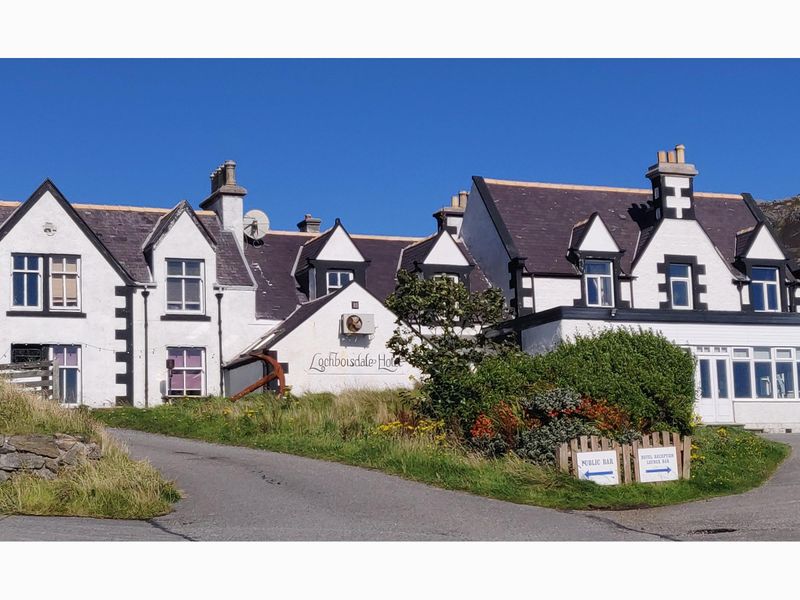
[[480, 235], [598, 238], [764, 246], [340, 247], [685, 237], [549, 292], [95, 333], [446, 252], [307, 348]]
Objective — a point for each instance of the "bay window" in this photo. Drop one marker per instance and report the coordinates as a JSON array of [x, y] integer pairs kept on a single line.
[[599, 282], [764, 286], [186, 371], [185, 285], [766, 373]]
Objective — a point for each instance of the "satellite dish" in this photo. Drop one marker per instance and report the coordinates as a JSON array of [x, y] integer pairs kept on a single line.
[[256, 224]]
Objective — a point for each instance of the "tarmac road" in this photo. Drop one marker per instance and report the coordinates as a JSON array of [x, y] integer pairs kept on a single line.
[[236, 493]]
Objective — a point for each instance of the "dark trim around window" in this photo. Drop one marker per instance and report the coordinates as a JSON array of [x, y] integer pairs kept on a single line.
[[697, 289]]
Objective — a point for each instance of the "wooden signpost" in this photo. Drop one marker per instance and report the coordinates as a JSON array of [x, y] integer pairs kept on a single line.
[[659, 456]]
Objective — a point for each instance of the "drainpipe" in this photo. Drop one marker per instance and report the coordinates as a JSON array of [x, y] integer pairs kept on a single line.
[[219, 330], [145, 294]]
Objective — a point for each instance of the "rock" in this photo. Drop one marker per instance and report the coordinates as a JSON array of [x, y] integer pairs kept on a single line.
[[51, 464], [21, 460], [6, 448], [44, 474], [64, 441], [72, 455], [43, 445], [93, 451], [4, 476]]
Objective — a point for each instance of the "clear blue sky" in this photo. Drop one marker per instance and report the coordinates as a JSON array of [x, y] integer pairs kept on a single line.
[[382, 144]]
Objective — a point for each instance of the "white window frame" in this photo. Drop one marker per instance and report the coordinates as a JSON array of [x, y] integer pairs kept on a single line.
[[338, 272], [78, 368], [765, 285], [64, 275], [687, 279], [184, 369], [183, 278], [599, 277], [27, 271], [451, 276], [792, 356]]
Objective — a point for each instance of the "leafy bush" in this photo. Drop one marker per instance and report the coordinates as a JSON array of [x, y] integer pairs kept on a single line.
[[538, 444], [640, 372]]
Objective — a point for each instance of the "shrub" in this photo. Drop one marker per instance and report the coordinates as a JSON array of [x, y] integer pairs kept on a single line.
[[539, 443], [640, 372]]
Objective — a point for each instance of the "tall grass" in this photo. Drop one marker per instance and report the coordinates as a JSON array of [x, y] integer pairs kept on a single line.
[[345, 428], [114, 486]]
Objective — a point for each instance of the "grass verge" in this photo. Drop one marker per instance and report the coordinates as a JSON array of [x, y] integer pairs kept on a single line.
[[113, 487], [345, 429]]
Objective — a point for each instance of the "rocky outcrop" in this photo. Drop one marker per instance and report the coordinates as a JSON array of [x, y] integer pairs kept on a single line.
[[784, 216], [43, 455]]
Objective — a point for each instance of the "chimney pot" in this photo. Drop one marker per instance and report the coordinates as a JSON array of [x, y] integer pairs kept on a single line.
[[454, 201], [671, 156], [462, 198], [662, 156], [680, 153]]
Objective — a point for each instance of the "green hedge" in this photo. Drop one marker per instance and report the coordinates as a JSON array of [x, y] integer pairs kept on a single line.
[[640, 371]]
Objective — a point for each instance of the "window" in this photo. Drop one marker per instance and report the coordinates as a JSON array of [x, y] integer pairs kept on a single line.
[[784, 373], [742, 381], [763, 372], [24, 353], [69, 373], [338, 279], [187, 374], [599, 283], [26, 278], [185, 285], [65, 282], [680, 286], [764, 289], [451, 276]]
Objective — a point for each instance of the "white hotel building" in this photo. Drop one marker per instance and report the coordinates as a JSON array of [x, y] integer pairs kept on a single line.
[[140, 304]]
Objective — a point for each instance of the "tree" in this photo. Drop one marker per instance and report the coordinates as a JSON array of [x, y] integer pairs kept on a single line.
[[441, 330]]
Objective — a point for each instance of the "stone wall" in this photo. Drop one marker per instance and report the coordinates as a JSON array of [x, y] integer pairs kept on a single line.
[[43, 455]]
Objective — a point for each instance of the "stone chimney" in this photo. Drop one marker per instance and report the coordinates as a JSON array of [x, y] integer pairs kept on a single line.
[[451, 217], [227, 200], [309, 224], [673, 188]]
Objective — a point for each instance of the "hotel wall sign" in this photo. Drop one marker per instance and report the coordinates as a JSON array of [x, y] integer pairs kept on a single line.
[[340, 363]]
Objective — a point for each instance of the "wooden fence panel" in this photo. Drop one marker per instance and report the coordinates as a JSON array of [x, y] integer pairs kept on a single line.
[[566, 453], [41, 376]]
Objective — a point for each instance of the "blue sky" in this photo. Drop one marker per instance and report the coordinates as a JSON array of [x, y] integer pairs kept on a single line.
[[384, 143]]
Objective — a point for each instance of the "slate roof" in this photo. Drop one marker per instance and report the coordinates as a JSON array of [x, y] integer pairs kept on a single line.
[[272, 259], [124, 230], [539, 219], [416, 253]]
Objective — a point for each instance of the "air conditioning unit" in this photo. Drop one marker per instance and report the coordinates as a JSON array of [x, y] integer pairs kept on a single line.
[[358, 324]]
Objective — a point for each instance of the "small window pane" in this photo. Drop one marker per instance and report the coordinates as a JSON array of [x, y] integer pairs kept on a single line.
[[680, 293], [193, 268], [19, 262], [764, 274], [762, 353], [679, 270], [174, 290], [174, 267], [72, 291], [177, 356], [606, 290], [33, 263], [194, 357], [783, 353], [772, 297], [332, 278], [58, 291], [194, 380], [784, 379], [598, 267], [71, 265], [757, 297], [32, 293], [19, 289], [192, 290], [592, 292], [69, 391], [741, 353], [705, 378], [346, 278], [763, 379], [722, 379], [176, 382], [742, 385]]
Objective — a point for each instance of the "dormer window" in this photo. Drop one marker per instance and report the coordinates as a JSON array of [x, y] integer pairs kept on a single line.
[[764, 288], [451, 276], [185, 285], [680, 286], [598, 279], [338, 279]]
